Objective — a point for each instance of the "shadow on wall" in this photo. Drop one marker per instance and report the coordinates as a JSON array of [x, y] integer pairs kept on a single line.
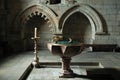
[[11, 41], [54, 1]]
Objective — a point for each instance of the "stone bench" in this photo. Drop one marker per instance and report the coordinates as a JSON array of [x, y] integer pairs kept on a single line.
[[104, 47]]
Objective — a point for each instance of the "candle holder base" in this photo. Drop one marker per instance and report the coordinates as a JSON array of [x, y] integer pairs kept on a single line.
[[35, 63]]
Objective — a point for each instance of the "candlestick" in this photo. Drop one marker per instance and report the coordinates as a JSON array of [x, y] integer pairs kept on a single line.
[[36, 59]]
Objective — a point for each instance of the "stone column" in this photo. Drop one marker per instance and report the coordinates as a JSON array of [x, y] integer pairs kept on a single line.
[[66, 70]]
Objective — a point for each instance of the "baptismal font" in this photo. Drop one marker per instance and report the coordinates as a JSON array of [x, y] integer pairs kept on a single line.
[[66, 49]]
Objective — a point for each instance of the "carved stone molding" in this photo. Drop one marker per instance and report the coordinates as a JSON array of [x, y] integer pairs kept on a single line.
[[89, 12], [46, 13]]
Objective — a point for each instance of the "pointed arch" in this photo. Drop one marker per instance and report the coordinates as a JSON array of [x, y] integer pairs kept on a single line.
[[45, 12], [89, 12]]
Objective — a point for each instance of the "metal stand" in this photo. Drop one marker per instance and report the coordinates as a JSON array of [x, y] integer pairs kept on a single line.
[[36, 59]]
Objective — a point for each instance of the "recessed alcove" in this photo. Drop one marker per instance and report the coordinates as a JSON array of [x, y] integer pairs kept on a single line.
[[78, 27], [79, 22], [38, 16], [44, 33]]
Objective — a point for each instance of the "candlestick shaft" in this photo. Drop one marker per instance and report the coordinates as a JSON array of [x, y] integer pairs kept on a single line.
[[36, 59], [35, 32]]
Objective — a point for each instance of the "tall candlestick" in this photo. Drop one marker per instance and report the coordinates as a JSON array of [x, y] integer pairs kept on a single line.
[[35, 33], [36, 59]]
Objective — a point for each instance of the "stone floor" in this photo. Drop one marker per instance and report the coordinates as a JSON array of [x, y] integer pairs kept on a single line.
[[12, 67]]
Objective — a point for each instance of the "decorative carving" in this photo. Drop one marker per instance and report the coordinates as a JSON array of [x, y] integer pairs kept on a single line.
[[37, 10]]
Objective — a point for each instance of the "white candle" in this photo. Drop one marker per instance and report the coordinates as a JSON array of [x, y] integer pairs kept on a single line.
[[35, 33]]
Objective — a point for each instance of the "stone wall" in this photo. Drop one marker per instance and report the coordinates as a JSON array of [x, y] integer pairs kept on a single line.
[[109, 10]]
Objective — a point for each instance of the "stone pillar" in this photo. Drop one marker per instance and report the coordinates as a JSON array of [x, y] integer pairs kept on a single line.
[[66, 70]]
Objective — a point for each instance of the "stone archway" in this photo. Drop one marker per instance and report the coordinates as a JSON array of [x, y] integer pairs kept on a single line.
[[89, 13], [78, 27], [38, 16], [45, 12]]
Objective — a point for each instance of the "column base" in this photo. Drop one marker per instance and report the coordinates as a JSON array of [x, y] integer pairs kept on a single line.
[[67, 74]]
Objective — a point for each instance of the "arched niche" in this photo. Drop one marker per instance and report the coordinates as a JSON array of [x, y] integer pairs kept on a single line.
[[38, 16], [88, 12], [78, 27]]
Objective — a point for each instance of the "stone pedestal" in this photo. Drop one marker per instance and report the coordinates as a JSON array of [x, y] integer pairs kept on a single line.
[[66, 70], [66, 52]]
